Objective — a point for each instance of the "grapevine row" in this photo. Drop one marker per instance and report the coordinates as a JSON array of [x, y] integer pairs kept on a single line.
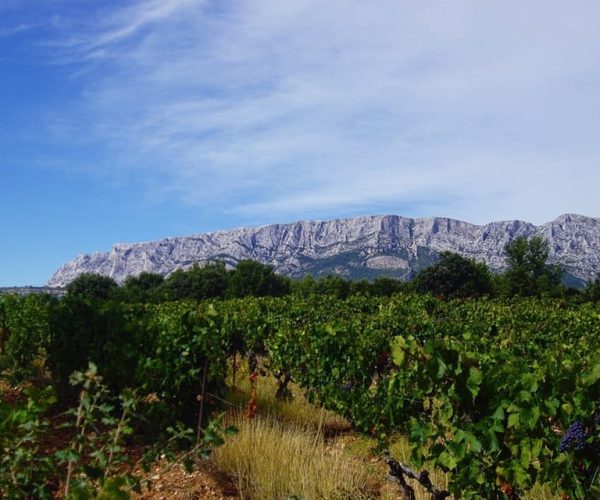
[[484, 389]]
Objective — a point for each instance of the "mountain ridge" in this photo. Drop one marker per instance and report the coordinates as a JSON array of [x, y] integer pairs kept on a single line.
[[365, 246]]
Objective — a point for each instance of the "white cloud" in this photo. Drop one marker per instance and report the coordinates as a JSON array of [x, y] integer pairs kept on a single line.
[[477, 109], [129, 21], [14, 30]]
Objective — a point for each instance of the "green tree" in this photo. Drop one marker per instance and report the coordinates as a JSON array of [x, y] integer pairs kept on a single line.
[[529, 273], [360, 287], [386, 287], [178, 285], [199, 282], [335, 286], [592, 290], [92, 286], [304, 287], [142, 288], [454, 276], [251, 278], [210, 280]]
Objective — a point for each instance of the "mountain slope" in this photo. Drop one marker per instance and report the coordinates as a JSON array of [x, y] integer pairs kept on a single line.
[[356, 247]]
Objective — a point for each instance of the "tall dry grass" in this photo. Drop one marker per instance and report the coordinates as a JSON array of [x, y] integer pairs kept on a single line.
[[269, 459]]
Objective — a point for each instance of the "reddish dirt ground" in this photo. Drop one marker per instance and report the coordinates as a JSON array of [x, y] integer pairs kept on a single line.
[[177, 484]]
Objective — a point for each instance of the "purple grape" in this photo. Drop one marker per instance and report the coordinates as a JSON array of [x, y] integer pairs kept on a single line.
[[575, 437]]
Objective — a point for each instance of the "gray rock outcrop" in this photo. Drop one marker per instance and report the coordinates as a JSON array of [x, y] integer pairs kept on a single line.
[[360, 247]]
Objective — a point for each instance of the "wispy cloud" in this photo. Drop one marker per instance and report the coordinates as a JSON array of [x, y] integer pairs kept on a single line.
[[14, 30], [124, 23], [472, 109]]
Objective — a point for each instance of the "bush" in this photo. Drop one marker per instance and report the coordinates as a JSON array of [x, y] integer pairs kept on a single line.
[[253, 279], [109, 334], [454, 276], [198, 283], [92, 286], [147, 287], [24, 325], [184, 349]]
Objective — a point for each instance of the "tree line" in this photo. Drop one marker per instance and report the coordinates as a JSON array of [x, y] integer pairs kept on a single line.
[[528, 274]]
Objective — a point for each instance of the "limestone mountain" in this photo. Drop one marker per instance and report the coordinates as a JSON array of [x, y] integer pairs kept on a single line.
[[359, 247]]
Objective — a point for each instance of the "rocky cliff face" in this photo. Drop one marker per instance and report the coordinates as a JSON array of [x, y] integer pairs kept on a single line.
[[358, 247]]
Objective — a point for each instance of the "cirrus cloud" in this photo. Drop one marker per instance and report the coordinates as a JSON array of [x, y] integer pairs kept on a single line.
[[263, 109]]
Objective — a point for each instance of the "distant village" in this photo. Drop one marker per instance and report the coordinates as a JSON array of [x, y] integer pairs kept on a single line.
[[27, 290]]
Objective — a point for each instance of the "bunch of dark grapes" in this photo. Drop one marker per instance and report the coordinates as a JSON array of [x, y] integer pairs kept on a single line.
[[346, 386], [576, 437], [597, 417]]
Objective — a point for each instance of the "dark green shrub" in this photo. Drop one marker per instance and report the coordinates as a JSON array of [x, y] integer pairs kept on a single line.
[[109, 334], [24, 325], [453, 277], [253, 279], [92, 286]]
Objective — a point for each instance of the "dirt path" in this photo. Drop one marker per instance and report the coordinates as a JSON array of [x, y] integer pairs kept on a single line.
[[177, 484]]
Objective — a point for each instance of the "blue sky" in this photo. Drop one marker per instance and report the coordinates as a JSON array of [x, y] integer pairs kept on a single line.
[[134, 120]]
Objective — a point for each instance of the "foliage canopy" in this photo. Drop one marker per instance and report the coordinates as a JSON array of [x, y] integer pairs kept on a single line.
[[455, 276]]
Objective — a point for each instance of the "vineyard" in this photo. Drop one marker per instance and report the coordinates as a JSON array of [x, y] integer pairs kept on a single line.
[[500, 394]]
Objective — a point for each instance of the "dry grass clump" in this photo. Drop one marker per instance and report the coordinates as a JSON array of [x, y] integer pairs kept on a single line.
[[269, 460]]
